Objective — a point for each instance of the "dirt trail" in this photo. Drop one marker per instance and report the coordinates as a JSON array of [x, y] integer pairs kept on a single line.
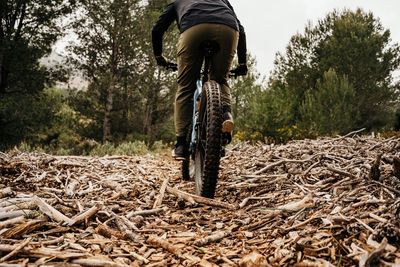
[[326, 202]]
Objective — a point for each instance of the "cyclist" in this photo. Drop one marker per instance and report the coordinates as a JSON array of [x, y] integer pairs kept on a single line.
[[199, 21]]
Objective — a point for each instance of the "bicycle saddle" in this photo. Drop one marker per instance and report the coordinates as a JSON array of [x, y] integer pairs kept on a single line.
[[209, 47]]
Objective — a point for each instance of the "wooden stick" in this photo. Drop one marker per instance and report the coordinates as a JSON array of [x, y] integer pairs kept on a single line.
[[341, 172], [5, 192], [378, 218], [14, 214], [26, 205], [43, 252], [201, 200], [129, 224], [139, 257], [12, 221], [94, 261], [388, 187], [52, 212], [136, 255], [85, 215], [299, 224], [13, 201], [306, 202], [211, 238], [247, 199], [160, 196], [186, 196], [16, 250], [158, 242], [24, 228], [145, 212], [106, 231], [272, 165], [345, 136]]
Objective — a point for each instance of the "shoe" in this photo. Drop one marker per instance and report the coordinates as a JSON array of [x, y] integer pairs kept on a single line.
[[180, 152], [227, 124], [223, 152], [226, 138]]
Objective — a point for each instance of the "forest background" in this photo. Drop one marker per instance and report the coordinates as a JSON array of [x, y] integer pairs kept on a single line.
[[334, 77]]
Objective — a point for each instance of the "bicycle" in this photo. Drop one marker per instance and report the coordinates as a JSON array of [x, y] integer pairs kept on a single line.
[[206, 139]]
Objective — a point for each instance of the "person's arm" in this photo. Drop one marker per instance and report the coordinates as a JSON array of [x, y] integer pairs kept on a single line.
[[160, 27], [242, 44]]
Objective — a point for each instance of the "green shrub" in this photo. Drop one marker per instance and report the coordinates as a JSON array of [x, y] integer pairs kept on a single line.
[[131, 148], [329, 109], [102, 150]]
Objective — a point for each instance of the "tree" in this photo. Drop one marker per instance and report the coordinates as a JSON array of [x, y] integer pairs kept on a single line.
[[330, 107], [131, 94], [245, 94], [107, 32], [28, 29], [355, 45], [157, 85]]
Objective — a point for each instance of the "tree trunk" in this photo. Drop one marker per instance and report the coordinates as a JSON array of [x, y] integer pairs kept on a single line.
[[8, 46], [3, 76], [107, 111]]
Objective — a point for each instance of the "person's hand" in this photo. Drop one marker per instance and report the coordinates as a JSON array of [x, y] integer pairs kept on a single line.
[[161, 61], [240, 70]]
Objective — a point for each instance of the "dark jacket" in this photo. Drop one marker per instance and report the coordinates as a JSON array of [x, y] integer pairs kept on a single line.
[[188, 13]]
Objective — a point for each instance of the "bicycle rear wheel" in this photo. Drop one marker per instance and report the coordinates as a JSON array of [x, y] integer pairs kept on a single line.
[[208, 148]]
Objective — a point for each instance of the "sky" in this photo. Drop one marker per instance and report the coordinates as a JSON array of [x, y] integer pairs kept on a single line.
[[270, 24]]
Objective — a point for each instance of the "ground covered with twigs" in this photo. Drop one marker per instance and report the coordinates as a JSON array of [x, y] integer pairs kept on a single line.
[[325, 202]]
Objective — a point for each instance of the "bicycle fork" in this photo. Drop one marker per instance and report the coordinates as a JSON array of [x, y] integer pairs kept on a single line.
[[196, 109]]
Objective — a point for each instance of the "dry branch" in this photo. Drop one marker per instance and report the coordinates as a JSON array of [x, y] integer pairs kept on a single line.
[[335, 215], [52, 212], [23, 229], [198, 199], [5, 192], [161, 243], [210, 239], [42, 252], [160, 197], [306, 202], [11, 222], [85, 215], [16, 250], [283, 161], [145, 212]]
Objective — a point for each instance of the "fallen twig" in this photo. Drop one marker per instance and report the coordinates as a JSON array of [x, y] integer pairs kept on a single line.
[[16, 250]]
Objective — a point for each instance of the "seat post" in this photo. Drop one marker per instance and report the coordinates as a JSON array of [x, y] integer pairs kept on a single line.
[[208, 48]]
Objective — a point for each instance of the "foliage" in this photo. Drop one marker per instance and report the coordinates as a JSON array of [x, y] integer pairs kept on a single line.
[[28, 29], [23, 118], [359, 50], [330, 108], [128, 94], [333, 78]]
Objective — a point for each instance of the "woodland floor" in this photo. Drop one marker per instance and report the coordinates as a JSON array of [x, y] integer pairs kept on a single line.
[[325, 202]]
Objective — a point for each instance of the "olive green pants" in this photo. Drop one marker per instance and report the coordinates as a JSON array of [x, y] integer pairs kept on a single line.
[[190, 59]]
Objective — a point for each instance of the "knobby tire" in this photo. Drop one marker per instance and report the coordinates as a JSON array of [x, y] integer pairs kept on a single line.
[[209, 141]]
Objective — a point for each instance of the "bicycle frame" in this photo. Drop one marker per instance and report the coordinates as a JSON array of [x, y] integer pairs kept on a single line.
[[196, 98]]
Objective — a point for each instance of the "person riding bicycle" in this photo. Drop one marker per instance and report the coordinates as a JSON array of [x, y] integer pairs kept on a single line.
[[199, 21]]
